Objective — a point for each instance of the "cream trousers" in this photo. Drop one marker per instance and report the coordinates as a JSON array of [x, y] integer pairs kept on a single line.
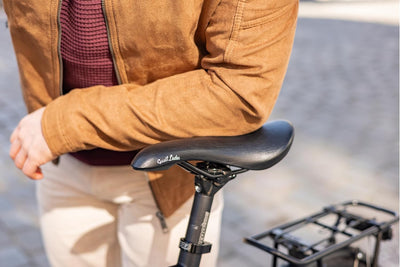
[[106, 216]]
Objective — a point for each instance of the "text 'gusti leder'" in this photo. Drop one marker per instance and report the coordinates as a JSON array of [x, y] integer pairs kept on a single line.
[[168, 159]]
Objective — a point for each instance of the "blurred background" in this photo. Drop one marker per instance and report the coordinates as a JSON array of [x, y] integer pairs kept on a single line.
[[341, 93]]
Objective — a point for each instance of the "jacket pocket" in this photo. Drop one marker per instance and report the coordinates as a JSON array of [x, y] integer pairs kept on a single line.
[[260, 12], [264, 21]]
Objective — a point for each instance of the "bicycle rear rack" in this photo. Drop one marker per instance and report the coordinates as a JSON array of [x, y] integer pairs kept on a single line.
[[339, 226]]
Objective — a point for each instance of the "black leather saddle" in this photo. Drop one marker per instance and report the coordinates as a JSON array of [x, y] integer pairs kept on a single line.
[[258, 150]]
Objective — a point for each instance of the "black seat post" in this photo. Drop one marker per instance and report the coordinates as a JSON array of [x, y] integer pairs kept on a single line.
[[193, 245]]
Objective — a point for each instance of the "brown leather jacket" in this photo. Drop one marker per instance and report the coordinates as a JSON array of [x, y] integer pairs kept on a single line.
[[185, 68]]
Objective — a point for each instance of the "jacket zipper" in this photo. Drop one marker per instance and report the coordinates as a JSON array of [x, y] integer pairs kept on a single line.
[[163, 222], [109, 42], [60, 61]]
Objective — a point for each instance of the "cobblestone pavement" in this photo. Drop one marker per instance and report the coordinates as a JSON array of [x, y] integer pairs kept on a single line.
[[341, 94]]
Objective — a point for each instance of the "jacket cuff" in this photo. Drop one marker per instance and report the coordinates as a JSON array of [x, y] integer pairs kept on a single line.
[[53, 130]]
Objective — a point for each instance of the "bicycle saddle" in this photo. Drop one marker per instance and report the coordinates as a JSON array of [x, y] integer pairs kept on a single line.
[[257, 150]]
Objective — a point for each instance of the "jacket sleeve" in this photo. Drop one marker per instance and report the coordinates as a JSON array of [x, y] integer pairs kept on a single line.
[[232, 93]]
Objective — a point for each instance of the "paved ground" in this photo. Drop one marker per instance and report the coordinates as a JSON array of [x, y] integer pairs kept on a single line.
[[341, 93]]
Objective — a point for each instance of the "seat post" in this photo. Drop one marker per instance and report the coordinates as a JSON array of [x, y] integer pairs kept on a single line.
[[193, 245]]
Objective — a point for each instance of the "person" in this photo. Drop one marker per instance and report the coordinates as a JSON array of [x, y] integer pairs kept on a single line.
[[102, 79]]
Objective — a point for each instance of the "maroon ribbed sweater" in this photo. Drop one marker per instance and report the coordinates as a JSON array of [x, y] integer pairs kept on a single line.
[[87, 61], [86, 55]]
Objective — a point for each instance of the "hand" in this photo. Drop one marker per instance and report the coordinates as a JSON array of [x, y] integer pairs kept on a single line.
[[29, 149]]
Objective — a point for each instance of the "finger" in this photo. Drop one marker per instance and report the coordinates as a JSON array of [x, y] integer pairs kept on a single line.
[[20, 159], [38, 174], [30, 169], [14, 134], [15, 148]]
